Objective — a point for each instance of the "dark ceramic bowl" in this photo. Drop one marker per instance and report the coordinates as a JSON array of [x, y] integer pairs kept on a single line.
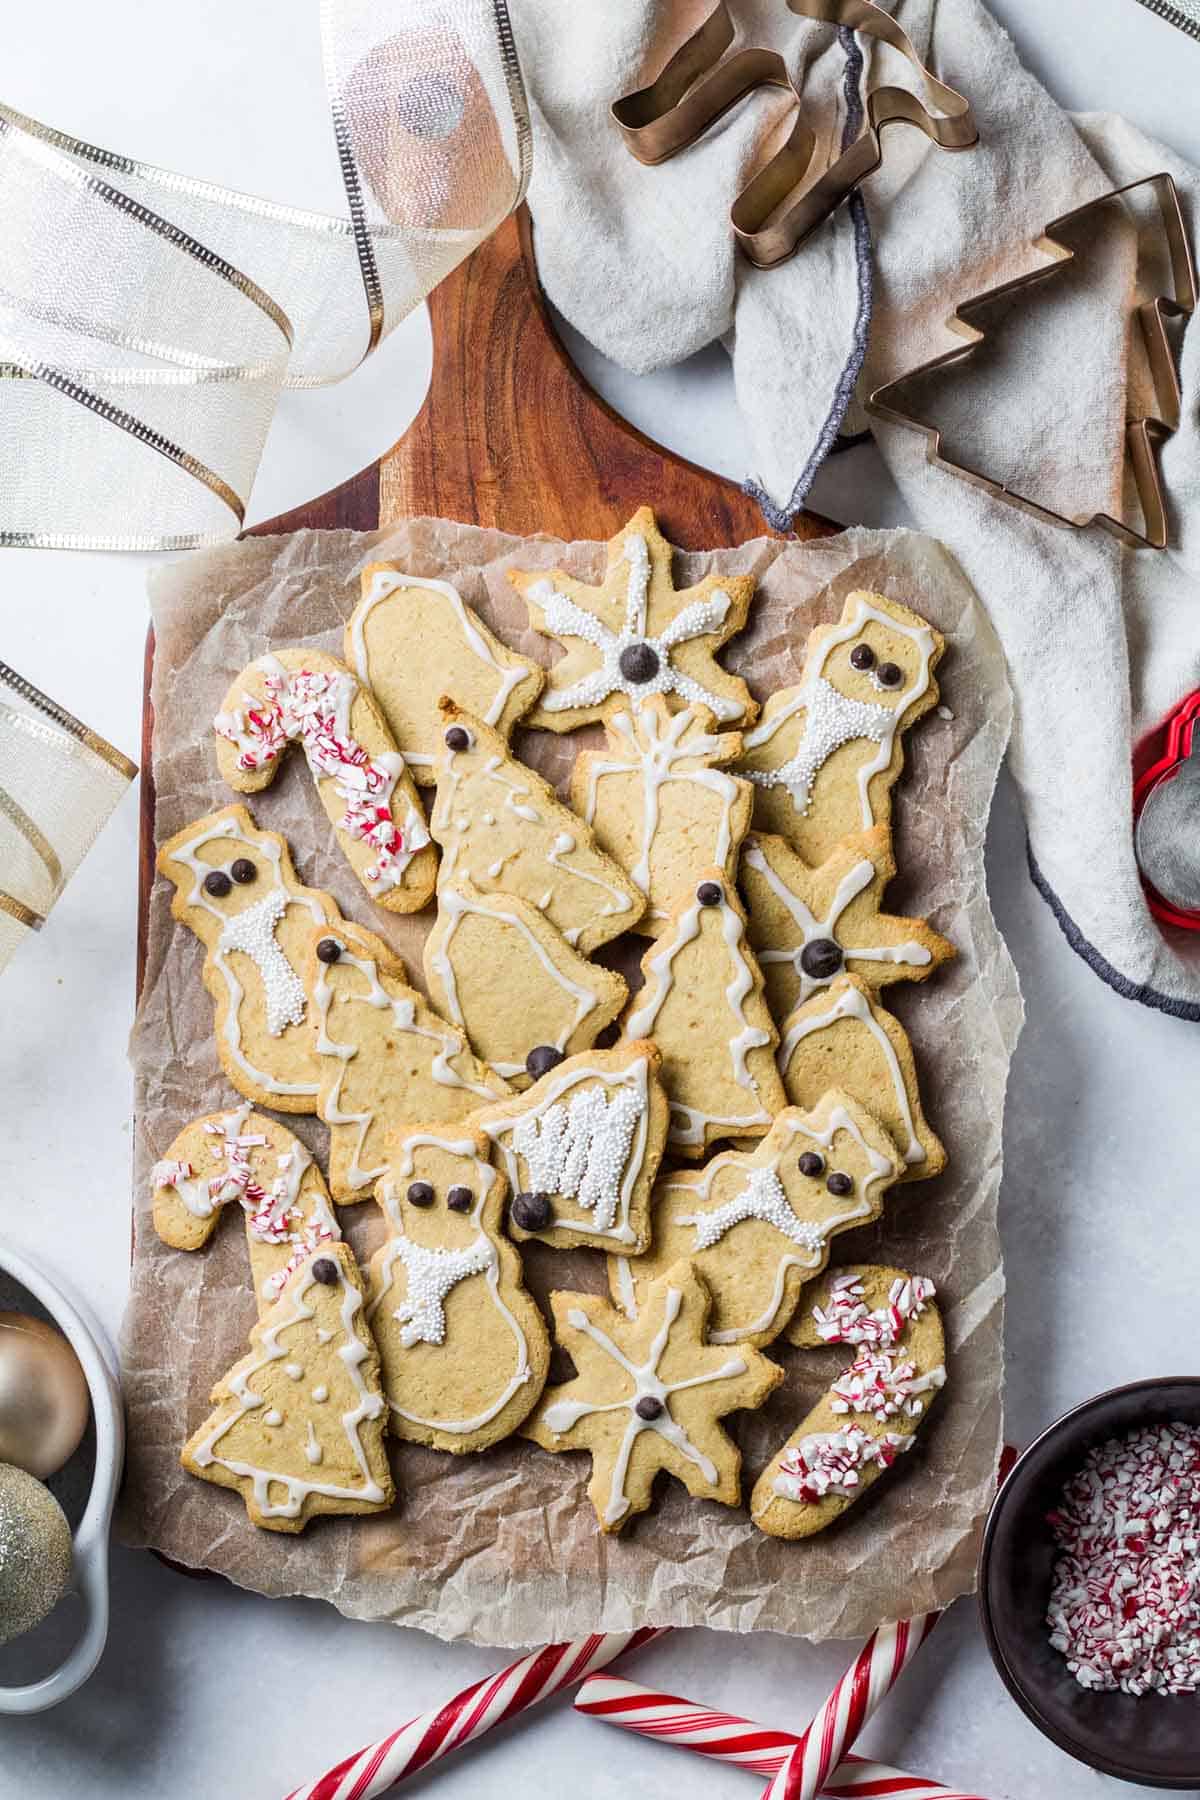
[[1154, 1739]]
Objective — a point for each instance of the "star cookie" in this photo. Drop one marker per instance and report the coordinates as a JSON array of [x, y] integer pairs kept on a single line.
[[757, 1225], [826, 753], [659, 803], [648, 1396], [808, 924], [636, 634], [872, 1412]]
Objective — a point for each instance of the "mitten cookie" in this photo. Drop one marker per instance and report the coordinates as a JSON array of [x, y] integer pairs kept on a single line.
[[841, 1038], [258, 1162], [458, 655], [505, 830], [386, 1057], [636, 634], [236, 888], [826, 753], [465, 1350], [703, 1005], [512, 982], [808, 924], [308, 697], [581, 1149], [648, 1396], [757, 1226], [299, 1423], [871, 1414], [659, 803]]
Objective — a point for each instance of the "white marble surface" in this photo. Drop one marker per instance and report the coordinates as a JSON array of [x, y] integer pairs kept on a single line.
[[206, 1691]]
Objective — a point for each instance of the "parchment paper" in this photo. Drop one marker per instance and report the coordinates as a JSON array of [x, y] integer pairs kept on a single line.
[[503, 1547]]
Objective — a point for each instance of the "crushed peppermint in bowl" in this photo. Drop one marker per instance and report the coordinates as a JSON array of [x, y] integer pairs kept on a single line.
[[1089, 1582]]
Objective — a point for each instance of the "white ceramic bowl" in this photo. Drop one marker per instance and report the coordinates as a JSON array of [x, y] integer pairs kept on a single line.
[[90, 1575]]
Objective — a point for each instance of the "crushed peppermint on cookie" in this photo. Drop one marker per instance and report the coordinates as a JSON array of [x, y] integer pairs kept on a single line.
[[1125, 1597], [833, 1462], [846, 1319]]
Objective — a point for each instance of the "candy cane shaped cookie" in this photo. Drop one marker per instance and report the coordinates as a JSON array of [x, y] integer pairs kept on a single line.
[[871, 1414], [309, 698]]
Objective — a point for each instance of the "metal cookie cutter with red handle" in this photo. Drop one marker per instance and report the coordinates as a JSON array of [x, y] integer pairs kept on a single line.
[[1166, 813]]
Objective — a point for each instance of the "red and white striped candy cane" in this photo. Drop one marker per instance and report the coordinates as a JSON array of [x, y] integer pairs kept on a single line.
[[740, 1743], [373, 1770], [874, 1671]]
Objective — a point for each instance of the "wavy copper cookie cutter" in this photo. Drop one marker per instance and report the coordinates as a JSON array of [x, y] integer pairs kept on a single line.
[[1145, 436], [785, 202]]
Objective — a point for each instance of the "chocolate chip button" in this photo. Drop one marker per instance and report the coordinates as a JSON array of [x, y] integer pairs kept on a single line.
[[460, 1199], [862, 656], [217, 883], [531, 1211], [821, 959], [458, 738], [325, 1270], [328, 950], [889, 675], [541, 1059], [811, 1163], [648, 1407], [839, 1183], [420, 1193], [709, 893], [638, 663], [243, 870]]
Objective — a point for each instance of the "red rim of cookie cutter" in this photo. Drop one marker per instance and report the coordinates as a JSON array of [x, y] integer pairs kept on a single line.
[[1175, 736]]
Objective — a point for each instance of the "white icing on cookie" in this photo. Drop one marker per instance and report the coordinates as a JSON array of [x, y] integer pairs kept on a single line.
[[763, 1198], [853, 1004]]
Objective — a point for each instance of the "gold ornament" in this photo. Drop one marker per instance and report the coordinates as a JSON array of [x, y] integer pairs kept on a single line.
[[44, 1402], [35, 1550]]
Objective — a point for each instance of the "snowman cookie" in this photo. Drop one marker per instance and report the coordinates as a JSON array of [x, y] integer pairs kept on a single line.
[[464, 1347], [308, 697], [648, 1395], [826, 753]]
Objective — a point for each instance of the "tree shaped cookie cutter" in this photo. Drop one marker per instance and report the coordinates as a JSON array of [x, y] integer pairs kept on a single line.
[[1144, 436], [786, 201]]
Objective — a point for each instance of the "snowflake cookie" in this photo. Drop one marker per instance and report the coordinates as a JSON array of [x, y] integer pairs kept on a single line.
[[636, 634]]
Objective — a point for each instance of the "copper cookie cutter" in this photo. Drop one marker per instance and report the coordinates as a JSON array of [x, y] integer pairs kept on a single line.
[[784, 203], [1143, 436]]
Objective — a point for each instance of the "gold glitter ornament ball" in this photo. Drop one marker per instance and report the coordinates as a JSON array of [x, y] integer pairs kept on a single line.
[[35, 1552], [44, 1400]]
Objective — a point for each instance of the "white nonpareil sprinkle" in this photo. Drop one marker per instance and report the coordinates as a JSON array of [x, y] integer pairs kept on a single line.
[[252, 931], [763, 1197], [831, 719], [580, 1150], [432, 1272], [1125, 1598]]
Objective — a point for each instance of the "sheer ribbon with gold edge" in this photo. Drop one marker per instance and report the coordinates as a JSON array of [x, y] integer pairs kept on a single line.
[[59, 782], [149, 321]]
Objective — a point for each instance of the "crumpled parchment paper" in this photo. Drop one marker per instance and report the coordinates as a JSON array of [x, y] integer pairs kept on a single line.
[[503, 1547]]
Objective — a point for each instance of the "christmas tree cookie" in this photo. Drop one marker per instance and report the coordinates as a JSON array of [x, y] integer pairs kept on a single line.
[[636, 633], [504, 829], [237, 890], [298, 1426], [385, 1056], [826, 753], [459, 655], [758, 1225], [465, 1350], [648, 1396], [309, 698], [703, 1005], [808, 924], [871, 1414], [495, 966], [659, 802]]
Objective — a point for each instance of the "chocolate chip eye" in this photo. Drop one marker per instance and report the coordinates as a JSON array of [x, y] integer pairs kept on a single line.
[[709, 893], [325, 1270], [541, 1059], [638, 663], [460, 1199], [839, 1183], [217, 883], [243, 870], [531, 1211], [328, 950], [811, 1163], [862, 657], [420, 1193], [649, 1407], [821, 959], [889, 674], [458, 738]]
